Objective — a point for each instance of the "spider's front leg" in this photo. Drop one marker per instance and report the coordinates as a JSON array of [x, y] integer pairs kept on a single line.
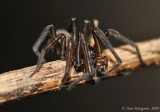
[[44, 50], [88, 67], [117, 35], [71, 50], [82, 48], [97, 33]]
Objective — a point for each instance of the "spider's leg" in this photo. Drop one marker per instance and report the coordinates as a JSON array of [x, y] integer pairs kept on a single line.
[[93, 42], [44, 50], [85, 76], [87, 30], [63, 48], [89, 69], [63, 42], [98, 45], [83, 44], [73, 30], [49, 29], [53, 47], [78, 55], [85, 49], [79, 59], [97, 33], [68, 63], [73, 50], [117, 35]]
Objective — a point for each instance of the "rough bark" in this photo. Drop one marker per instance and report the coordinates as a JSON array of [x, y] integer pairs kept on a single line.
[[16, 84]]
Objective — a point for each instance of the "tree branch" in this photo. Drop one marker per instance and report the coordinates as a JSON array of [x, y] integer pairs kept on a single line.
[[16, 84]]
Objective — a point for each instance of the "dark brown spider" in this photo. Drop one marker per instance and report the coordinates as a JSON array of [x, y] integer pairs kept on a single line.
[[76, 48]]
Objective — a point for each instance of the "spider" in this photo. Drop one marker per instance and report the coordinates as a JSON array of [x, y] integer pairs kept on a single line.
[[79, 52]]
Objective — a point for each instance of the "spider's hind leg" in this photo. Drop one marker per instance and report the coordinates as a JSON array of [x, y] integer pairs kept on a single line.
[[44, 50], [48, 29]]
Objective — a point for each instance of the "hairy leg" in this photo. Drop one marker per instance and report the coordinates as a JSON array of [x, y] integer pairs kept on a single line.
[[63, 43], [73, 50], [43, 52], [97, 33], [49, 29], [117, 35], [68, 63], [89, 69]]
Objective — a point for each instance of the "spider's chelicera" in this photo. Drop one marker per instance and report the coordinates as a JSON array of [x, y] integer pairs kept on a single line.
[[78, 50]]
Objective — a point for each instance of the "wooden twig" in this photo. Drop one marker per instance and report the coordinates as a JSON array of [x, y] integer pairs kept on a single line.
[[16, 84]]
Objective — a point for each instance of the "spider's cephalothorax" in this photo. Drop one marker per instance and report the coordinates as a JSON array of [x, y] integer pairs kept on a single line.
[[78, 50]]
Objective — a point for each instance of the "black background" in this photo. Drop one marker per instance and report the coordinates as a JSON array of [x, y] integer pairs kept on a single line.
[[22, 21]]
